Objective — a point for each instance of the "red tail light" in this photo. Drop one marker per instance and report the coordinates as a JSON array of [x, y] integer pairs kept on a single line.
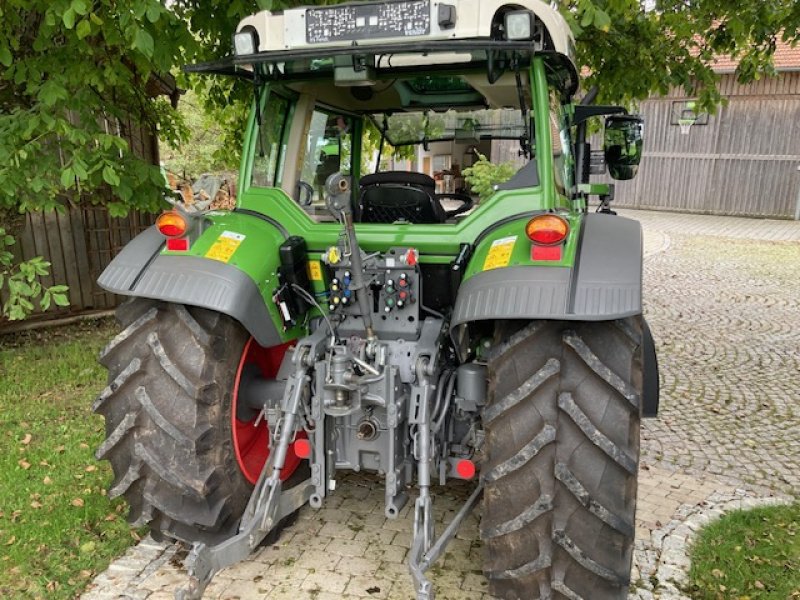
[[178, 244], [465, 469], [171, 224], [547, 230]]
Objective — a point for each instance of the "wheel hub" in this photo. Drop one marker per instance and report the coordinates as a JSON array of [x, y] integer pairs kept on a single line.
[[254, 383]]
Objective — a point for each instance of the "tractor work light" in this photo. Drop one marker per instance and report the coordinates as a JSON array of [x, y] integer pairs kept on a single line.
[[245, 42], [547, 230], [171, 224], [519, 25]]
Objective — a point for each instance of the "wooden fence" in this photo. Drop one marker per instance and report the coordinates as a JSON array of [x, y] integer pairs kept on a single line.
[[79, 243]]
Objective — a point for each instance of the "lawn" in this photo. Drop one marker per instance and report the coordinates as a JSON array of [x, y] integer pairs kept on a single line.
[[57, 526], [748, 555]]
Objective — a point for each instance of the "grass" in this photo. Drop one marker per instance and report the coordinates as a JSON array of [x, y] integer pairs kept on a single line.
[[57, 526], [748, 555]]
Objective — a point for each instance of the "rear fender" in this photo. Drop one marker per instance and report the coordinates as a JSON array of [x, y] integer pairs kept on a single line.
[[651, 387], [240, 285], [603, 281]]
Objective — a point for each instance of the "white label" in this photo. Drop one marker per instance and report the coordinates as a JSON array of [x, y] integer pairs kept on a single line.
[[503, 241]]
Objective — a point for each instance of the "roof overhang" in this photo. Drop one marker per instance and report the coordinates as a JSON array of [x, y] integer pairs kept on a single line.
[[562, 69]]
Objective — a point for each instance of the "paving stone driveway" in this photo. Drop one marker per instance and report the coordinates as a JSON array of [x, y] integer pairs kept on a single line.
[[724, 307]]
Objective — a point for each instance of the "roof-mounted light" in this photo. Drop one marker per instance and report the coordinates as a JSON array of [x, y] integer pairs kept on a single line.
[[519, 25], [245, 42]]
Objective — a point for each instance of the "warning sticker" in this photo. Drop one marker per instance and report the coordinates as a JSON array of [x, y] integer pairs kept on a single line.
[[500, 253], [225, 245], [314, 270]]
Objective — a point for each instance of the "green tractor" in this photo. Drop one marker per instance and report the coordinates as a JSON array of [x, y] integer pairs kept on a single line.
[[345, 318]]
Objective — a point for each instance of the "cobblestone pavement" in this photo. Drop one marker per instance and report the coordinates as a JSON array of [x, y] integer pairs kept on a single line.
[[726, 317], [725, 314]]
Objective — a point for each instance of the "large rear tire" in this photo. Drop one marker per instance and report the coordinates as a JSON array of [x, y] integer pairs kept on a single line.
[[168, 406], [562, 449]]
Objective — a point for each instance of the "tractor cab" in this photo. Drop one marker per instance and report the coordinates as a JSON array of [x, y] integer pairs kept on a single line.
[[401, 97]]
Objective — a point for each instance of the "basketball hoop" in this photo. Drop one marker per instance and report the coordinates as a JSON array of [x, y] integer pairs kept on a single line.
[[685, 125]]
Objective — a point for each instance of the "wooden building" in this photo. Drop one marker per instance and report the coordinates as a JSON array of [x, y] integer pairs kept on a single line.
[[743, 160]]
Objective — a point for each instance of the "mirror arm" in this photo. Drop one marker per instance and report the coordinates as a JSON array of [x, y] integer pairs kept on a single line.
[[605, 201], [583, 112]]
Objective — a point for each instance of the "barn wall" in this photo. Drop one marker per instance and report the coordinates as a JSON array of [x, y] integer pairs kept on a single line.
[[78, 242], [743, 162]]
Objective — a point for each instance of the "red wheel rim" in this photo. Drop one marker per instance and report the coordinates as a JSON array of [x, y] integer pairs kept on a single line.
[[249, 442]]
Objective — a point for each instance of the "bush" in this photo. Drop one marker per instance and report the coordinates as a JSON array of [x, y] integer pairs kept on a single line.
[[484, 175]]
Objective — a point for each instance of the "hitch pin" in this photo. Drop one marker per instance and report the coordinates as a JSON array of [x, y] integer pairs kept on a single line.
[[261, 415], [365, 366]]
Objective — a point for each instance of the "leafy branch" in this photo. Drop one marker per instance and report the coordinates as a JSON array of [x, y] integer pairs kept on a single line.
[[483, 175], [21, 283]]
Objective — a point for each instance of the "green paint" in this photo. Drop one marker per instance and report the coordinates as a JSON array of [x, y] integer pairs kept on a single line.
[[437, 244], [594, 189], [544, 145], [250, 256], [248, 148], [442, 240], [521, 255]]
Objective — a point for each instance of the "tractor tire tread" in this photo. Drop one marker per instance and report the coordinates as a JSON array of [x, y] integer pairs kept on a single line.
[[169, 447], [561, 459]]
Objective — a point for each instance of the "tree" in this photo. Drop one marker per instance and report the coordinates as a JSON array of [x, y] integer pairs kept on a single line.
[[633, 49], [73, 71], [70, 67], [203, 149]]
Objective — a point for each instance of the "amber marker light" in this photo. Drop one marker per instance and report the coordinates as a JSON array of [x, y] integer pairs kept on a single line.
[[547, 230], [171, 224]]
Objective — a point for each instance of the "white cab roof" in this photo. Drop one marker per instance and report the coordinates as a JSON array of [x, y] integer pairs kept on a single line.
[[342, 24]]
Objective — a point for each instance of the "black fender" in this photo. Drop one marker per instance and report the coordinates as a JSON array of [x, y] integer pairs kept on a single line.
[[605, 283], [650, 384], [141, 270]]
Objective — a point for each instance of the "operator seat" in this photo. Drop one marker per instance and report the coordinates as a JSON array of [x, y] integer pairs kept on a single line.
[[399, 196], [405, 196]]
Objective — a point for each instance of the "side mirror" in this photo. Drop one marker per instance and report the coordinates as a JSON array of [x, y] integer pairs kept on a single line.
[[623, 139]]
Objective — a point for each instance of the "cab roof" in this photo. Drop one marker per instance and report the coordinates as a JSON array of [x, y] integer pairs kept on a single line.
[[370, 56]]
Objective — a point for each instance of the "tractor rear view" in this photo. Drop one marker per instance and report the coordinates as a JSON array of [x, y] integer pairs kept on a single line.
[[352, 313]]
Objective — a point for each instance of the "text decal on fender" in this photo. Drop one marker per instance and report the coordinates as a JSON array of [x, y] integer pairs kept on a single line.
[[500, 253], [225, 246]]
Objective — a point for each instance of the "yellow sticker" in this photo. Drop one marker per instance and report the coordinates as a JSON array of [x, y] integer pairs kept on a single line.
[[314, 270], [225, 245], [500, 253]]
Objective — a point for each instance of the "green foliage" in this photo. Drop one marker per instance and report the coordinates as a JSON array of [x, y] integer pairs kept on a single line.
[[632, 52], [484, 175], [77, 75], [752, 555], [21, 283], [75, 81], [371, 141], [204, 149]]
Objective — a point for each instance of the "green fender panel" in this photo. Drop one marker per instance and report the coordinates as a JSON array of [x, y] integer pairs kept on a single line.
[[603, 283]]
